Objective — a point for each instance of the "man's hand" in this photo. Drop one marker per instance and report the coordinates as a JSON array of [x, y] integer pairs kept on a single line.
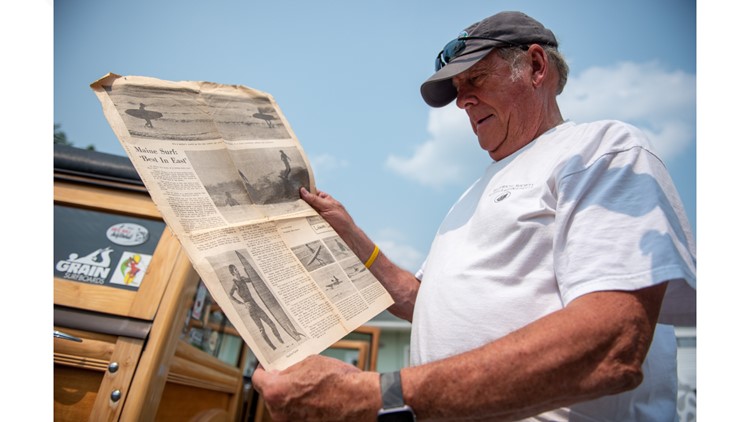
[[401, 284], [330, 209], [319, 389]]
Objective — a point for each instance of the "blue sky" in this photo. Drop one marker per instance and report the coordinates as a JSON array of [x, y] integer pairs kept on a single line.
[[347, 75]]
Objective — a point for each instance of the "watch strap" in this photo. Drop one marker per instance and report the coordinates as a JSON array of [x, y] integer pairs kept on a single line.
[[390, 388]]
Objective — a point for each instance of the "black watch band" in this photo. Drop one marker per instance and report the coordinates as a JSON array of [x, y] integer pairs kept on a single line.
[[394, 409]]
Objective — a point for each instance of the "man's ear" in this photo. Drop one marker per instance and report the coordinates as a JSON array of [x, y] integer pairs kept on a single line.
[[539, 64]]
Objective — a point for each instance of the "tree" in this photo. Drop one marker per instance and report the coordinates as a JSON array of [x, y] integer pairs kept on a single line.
[[62, 139]]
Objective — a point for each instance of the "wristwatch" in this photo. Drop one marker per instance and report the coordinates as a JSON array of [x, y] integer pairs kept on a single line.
[[394, 409]]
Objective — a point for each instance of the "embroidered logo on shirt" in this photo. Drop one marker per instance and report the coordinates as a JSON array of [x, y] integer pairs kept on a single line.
[[502, 196], [503, 192]]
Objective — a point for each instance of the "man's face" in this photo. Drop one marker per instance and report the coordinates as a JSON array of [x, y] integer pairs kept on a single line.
[[502, 108]]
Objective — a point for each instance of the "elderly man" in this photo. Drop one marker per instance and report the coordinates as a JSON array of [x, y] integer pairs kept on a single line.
[[549, 285]]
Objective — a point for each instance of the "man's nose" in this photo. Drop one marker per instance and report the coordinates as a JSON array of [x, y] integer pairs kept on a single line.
[[465, 98]]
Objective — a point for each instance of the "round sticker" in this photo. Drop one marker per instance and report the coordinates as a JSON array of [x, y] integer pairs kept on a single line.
[[127, 234]]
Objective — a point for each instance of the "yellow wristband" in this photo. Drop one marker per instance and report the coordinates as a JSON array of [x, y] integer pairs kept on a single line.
[[372, 257]]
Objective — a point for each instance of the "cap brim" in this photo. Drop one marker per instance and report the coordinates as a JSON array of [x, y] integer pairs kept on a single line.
[[438, 89]]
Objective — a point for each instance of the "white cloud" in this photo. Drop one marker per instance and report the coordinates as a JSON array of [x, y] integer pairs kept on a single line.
[[660, 102], [327, 162], [392, 243], [324, 164], [449, 156]]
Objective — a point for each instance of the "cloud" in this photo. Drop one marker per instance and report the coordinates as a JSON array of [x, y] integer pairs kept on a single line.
[[392, 243], [449, 156], [325, 164], [660, 102]]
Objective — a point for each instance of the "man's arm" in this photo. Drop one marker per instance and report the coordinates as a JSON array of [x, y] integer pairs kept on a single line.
[[401, 284], [593, 347]]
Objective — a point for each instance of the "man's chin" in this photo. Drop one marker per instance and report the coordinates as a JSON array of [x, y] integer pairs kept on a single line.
[[498, 153], [490, 149]]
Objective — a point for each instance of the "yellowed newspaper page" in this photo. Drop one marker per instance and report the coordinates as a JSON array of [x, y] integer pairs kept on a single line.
[[224, 169]]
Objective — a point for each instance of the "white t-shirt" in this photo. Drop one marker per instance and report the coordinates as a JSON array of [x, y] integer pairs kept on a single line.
[[583, 208]]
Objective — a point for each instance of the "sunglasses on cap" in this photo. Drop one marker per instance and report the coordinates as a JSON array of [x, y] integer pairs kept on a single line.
[[456, 47]]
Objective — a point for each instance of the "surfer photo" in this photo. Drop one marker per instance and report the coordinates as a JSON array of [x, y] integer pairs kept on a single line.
[[268, 299], [144, 114]]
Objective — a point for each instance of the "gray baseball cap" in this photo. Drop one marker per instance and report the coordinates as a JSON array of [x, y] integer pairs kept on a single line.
[[505, 29]]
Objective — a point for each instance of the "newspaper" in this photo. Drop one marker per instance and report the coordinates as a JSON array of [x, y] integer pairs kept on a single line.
[[224, 168]]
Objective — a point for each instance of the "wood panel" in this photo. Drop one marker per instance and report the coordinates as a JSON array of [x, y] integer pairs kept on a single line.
[[372, 335], [142, 303], [81, 369], [167, 253], [160, 378], [191, 366], [93, 297], [126, 354], [151, 375], [93, 353], [75, 391], [96, 198], [183, 403], [361, 347]]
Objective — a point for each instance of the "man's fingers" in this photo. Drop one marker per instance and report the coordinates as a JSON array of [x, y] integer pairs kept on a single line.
[[259, 378], [313, 200], [308, 197]]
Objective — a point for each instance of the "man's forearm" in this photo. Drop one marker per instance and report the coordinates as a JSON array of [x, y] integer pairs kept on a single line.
[[401, 284], [592, 348]]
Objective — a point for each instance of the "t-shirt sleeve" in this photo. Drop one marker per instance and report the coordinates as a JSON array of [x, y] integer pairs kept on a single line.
[[420, 273], [621, 226]]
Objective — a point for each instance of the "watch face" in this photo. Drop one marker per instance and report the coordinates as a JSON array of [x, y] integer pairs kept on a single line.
[[399, 414]]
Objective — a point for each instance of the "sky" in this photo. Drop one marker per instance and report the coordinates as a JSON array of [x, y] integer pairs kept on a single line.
[[346, 75]]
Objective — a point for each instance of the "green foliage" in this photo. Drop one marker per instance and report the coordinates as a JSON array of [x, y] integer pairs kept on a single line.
[[60, 138]]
